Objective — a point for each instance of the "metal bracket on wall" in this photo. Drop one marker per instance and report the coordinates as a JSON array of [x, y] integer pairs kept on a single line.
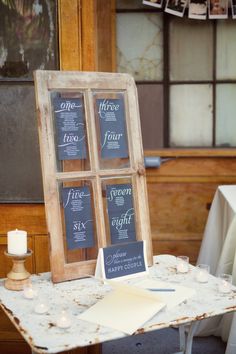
[[155, 161]]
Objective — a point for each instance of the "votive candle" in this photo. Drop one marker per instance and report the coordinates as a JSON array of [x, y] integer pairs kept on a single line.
[[63, 320], [30, 292], [41, 307], [225, 284], [182, 264], [202, 273]]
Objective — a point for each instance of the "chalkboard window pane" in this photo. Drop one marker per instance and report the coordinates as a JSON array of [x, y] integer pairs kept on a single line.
[[111, 116], [78, 220], [27, 37], [119, 211], [70, 131], [20, 177]]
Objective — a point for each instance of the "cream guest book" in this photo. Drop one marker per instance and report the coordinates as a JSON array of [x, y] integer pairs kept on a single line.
[[127, 307]]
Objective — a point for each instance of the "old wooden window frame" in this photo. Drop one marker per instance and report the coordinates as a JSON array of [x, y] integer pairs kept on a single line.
[[86, 83]]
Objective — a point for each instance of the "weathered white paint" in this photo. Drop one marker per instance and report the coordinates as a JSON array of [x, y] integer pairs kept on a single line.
[[76, 296]]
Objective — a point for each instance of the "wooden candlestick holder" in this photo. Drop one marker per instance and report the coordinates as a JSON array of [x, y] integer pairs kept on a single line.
[[18, 277]]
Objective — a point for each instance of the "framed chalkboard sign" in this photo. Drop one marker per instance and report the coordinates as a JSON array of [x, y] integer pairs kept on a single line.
[[92, 166]]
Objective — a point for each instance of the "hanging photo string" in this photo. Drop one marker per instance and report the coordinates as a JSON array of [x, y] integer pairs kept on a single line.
[[176, 7], [154, 3], [217, 9], [197, 9], [233, 7]]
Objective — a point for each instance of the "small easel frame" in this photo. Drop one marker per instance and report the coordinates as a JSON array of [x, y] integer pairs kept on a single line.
[[93, 171]]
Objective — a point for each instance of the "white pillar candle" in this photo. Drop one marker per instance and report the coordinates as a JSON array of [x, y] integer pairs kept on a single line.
[[17, 242]]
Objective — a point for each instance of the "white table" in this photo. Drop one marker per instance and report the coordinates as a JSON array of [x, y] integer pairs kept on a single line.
[[218, 249], [45, 337]]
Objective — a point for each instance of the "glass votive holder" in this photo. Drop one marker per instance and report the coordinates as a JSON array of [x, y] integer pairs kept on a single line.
[[41, 307], [182, 264], [63, 320], [225, 284], [30, 291], [202, 273]]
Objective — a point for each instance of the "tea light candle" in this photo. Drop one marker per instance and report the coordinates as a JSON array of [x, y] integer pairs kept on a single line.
[[202, 273], [63, 320], [182, 264], [224, 287], [225, 284], [17, 242], [29, 292], [41, 308]]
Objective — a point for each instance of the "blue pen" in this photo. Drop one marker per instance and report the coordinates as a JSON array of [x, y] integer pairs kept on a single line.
[[161, 289]]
